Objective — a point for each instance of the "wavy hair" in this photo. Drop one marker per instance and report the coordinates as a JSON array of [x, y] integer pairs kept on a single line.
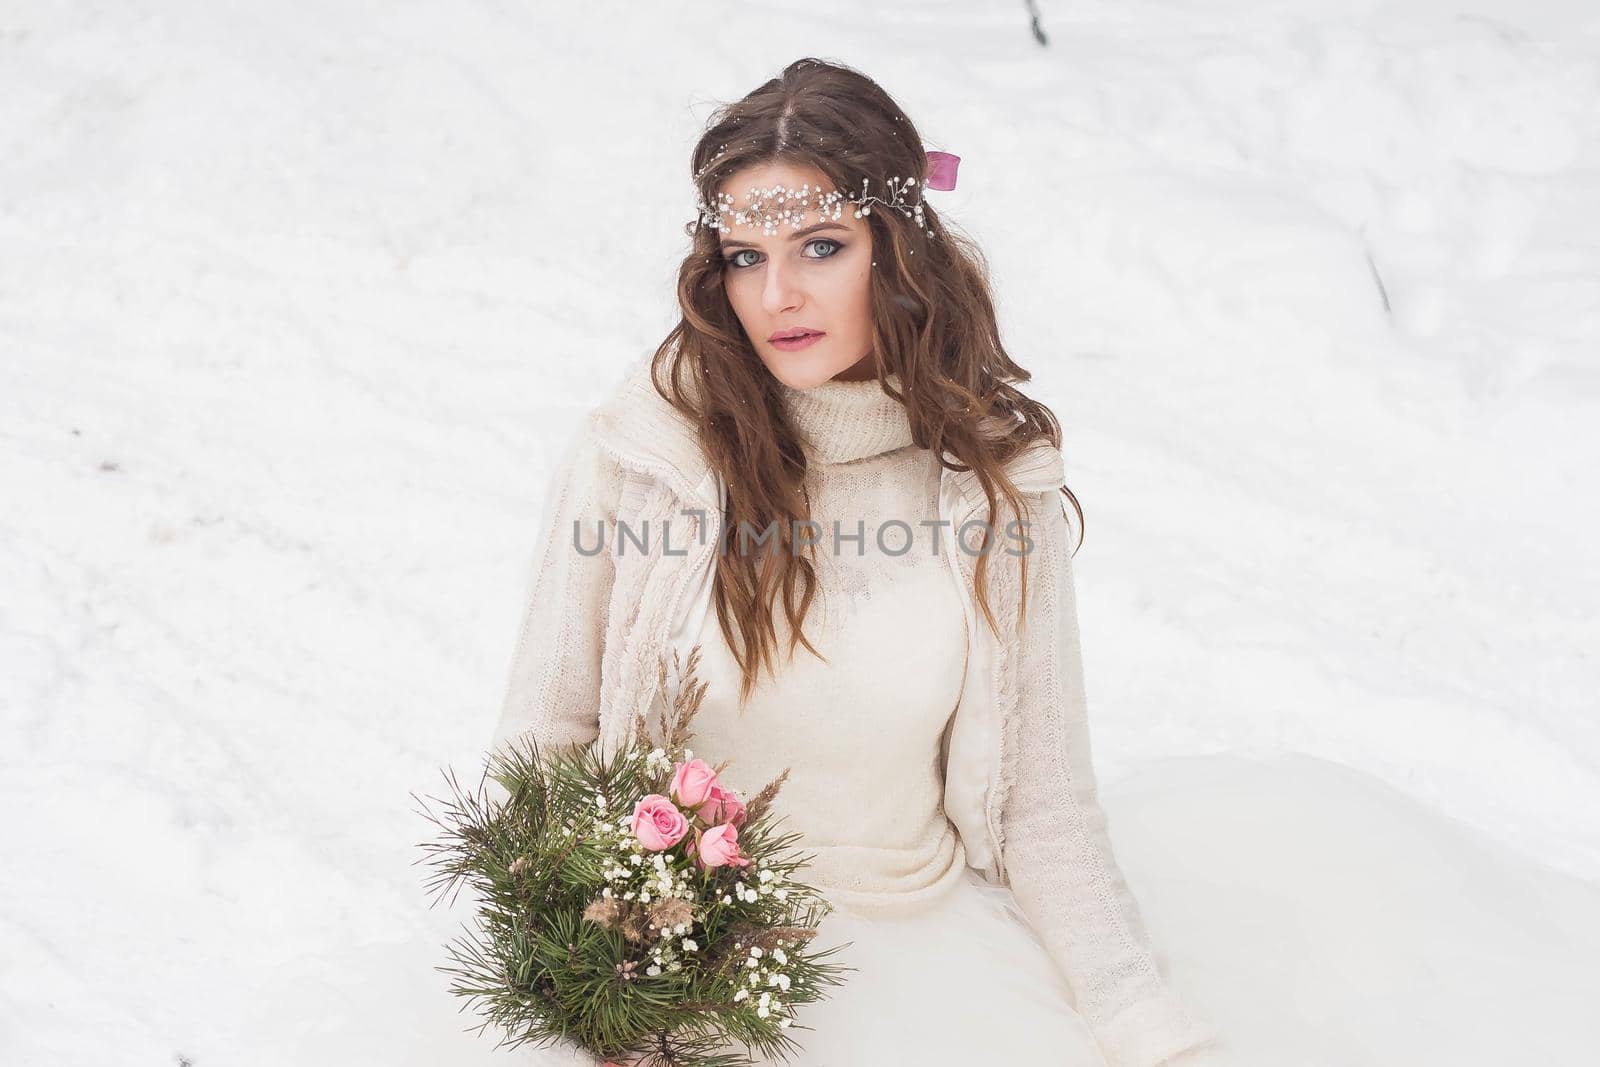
[[933, 325]]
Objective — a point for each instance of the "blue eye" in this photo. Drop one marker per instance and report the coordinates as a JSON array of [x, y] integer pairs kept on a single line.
[[732, 261]]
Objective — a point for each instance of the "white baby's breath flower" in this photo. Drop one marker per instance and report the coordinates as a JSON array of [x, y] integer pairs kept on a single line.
[[755, 950], [782, 894], [783, 1024], [766, 876], [752, 963], [674, 966], [741, 995], [726, 899], [652, 970], [779, 955], [690, 945]]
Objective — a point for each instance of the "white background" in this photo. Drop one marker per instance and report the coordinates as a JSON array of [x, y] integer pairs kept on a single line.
[[299, 304]]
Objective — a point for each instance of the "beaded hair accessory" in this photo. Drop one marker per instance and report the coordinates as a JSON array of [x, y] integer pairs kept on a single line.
[[774, 205]]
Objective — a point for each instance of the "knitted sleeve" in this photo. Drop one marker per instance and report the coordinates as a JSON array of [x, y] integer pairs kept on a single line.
[[1056, 850], [553, 692]]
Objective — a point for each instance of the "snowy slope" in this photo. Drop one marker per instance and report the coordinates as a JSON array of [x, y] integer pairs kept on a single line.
[[298, 306]]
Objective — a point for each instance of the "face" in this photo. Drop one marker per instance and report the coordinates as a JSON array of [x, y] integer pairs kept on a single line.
[[813, 277]]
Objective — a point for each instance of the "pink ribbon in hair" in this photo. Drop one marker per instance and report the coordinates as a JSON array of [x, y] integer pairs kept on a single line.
[[942, 170]]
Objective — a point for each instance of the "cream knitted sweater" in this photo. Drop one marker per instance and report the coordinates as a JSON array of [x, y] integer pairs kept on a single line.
[[594, 633], [860, 733]]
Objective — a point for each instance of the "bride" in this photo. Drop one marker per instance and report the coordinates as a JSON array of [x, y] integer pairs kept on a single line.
[[910, 654], [840, 495]]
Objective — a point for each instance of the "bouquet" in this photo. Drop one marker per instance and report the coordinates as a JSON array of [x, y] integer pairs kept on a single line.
[[636, 906]]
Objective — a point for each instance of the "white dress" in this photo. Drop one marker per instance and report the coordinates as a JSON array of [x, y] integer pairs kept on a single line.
[[1316, 916]]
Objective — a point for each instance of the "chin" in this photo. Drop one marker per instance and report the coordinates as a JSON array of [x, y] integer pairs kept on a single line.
[[802, 370]]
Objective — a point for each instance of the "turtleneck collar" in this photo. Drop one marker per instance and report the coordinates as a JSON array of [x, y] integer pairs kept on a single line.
[[843, 421]]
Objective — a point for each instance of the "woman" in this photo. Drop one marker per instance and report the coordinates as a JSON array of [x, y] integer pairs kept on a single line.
[[908, 650]]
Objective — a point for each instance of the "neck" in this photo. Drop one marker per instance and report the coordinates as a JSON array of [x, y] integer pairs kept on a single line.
[[841, 420]]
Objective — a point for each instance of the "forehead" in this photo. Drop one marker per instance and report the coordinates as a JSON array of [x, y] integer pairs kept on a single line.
[[793, 175], [762, 193]]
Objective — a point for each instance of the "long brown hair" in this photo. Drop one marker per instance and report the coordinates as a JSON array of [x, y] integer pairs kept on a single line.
[[933, 325]]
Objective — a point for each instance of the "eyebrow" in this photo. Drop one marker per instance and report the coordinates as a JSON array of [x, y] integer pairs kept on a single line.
[[795, 236]]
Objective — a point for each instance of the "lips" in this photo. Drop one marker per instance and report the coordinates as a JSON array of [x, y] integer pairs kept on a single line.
[[794, 334]]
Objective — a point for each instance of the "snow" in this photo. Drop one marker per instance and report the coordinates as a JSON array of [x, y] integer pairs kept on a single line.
[[297, 309]]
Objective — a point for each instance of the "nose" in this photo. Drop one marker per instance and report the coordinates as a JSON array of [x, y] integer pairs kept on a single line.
[[779, 293]]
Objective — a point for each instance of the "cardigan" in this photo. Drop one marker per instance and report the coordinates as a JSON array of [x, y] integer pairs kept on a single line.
[[599, 628]]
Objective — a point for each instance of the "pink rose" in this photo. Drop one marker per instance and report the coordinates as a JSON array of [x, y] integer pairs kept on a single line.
[[692, 782], [719, 847], [658, 823], [722, 805]]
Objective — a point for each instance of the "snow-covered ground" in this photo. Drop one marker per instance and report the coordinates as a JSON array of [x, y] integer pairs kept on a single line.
[[299, 304]]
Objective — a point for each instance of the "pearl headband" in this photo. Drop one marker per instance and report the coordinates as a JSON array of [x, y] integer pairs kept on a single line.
[[774, 205]]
